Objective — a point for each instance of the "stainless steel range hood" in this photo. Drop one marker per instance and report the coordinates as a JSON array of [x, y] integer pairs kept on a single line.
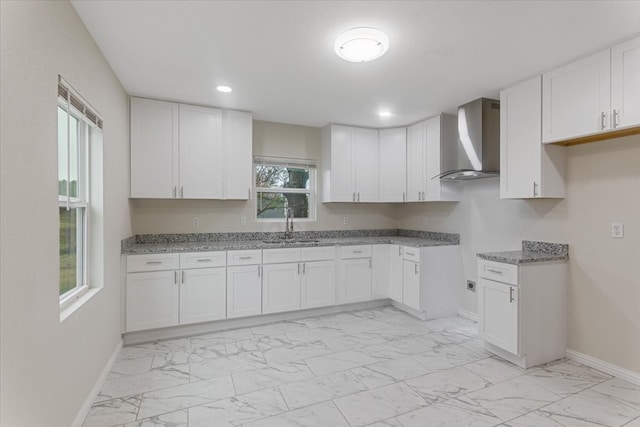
[[478, 151]]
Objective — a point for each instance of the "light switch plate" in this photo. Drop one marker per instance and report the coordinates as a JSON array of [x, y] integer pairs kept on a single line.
[[617, 230], [243, 220], [195, 221]]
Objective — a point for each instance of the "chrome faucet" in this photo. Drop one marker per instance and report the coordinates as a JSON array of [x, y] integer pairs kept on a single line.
[[288, 232]]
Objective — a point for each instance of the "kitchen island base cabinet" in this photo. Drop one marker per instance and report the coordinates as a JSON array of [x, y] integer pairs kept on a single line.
[[522, 310], [152, 300], [244, 291]]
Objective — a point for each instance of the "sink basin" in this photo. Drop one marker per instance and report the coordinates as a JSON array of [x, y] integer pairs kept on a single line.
[[290, 241]]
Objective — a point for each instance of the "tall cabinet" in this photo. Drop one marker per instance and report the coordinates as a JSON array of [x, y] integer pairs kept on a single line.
[[426, 142], [393, 164], [528, 168], [181, 151]]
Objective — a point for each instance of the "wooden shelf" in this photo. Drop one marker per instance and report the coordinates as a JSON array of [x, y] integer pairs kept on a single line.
[[602, 136]]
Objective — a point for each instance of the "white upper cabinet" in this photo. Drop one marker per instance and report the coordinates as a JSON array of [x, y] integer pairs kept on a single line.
[[596, 94], [190, 152], [576, 98], [200, 152], [154, 148], [237, 151], [349, 164], [393, 164], [625, 84], [528, 169], [426, 142]]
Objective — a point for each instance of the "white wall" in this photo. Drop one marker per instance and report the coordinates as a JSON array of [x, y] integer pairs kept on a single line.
[[603, 186], [47, 367], [269, 139]]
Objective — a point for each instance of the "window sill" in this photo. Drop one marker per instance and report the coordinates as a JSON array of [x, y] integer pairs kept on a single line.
[[78, 302]]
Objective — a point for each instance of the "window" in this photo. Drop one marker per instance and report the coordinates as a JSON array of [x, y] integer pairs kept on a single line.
[[77, 126], [284, 183]]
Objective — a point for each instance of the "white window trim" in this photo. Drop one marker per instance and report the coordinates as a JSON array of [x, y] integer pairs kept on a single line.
[[284, 161], [71, 300]]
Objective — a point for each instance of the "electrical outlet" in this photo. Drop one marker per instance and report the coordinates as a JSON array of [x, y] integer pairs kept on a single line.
[[471, 285], [243, 220], [195, 221], [346, 220], [617, 230]]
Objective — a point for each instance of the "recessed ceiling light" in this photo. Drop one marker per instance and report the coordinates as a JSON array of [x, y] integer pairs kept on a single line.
[[361, 44], [384, 113], [224, 89]]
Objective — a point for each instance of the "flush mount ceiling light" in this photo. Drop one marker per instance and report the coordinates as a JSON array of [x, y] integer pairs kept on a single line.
[[224, 89], [384, 113], [361, 44]]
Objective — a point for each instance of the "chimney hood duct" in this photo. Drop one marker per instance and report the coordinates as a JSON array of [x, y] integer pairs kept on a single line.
[[478, 150]]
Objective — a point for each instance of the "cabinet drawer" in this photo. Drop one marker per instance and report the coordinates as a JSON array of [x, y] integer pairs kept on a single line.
[[152, 262], [498, 271], [248, 257], [203, 259], [318, 254], [273, 256], [358, 251], [411, 254]]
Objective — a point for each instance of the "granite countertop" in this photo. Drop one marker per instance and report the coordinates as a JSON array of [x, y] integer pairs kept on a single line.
[[176, 243], [532, 251]]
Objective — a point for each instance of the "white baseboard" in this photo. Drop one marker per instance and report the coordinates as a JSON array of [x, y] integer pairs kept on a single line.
[[91, 397], [601, 365], [468, 315]]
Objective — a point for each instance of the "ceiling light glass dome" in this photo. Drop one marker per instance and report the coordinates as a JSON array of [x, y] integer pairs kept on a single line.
[[361, 44]]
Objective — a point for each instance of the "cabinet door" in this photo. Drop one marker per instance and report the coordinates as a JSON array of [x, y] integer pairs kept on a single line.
[[393, 164], [396, 272], [355, 280], [237, 148], [200, 152], [575, 98], [520, 140], [281, 287], [381, 273], [415, 162], [625, 83], [342, 170], [366, 163], [203, 295], [152, 300], [498, 314], [411, 284], [318, 286], [244, 291], [154, 149], [431, 155]]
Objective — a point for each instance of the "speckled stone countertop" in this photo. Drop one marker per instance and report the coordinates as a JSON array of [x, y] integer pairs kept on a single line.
[[175, 243], [532, 251]]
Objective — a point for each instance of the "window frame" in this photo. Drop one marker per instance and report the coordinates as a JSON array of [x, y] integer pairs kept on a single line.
[[80, 203], [310, 165]]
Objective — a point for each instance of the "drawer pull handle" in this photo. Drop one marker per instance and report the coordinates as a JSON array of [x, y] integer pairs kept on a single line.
[[154, 262], [358, 252], [204, 260], [411, 253], [244, 257], [491, 270]]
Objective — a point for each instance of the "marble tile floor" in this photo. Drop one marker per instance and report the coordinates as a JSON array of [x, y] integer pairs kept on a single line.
[[378, 367]]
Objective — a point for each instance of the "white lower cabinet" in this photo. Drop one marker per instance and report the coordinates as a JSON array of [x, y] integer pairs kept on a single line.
[[203, 295], [152, 300], [522, 310], [355, 280], [281, 287], [411, 284], [396, 273], [318, 284], [244, 290], [498, 311], [170, 296]]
